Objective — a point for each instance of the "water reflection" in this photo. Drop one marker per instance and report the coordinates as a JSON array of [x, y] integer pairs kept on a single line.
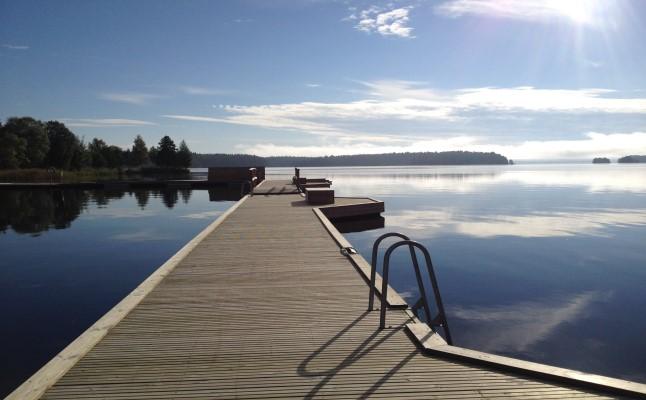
[[68, 256], [518, 327], [540, 224], [543, 262], [35, 211], [32, 212], [471, 179]]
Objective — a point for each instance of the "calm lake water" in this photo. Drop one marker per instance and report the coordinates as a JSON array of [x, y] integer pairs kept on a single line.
[[545, 263], [540, 262]]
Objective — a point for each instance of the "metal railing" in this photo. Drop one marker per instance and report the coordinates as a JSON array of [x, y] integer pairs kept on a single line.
[[373, 263], [440, 319]]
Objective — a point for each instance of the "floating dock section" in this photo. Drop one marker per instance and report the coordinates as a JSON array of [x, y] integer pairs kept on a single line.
[[262, 304]]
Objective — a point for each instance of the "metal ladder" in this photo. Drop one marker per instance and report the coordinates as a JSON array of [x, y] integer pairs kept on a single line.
[[440, 319]]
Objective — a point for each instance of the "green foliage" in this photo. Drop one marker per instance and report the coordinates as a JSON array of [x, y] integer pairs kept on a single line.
[[139, 153], [63, 145], [26, 143], [183, 156], [114, 157], [166, 152], [97, 149], [30, 150], [12, 149]]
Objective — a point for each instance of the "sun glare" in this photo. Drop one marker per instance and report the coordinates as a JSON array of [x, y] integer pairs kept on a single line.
[[579, 11]]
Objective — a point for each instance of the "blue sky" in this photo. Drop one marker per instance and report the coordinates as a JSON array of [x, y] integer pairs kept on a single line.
[[532, 79]]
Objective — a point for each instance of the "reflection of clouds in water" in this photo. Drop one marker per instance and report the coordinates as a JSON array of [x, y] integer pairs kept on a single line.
[[594, 178], [112, 212], [443, 221], [517, 327], [203, 215], [146, 235]]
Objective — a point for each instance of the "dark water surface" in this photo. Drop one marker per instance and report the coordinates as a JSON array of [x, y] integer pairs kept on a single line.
[[540, 262], [67, 257], [544, 263]]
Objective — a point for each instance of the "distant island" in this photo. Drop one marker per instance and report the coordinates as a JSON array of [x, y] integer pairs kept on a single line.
[[363, 160], [600, 160], [632, 159]]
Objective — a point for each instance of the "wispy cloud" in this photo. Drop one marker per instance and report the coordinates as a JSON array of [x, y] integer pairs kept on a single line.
[[592, 144], [14, 47], [579, 11], [130, 97], [312, 85], [386, 22], [410, 116], [202, 91], [103, 122], [592, 63], [518, 327]]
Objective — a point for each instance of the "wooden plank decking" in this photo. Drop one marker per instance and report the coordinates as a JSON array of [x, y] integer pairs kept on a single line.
[[265, 306]]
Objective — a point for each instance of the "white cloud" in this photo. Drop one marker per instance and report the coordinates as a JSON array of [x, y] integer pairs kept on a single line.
[[577, 11], [392, 22], [592, 144], [201, 91], [130, 97], [410, 101], [103, 122], [399, 116], [14, 47], [312, 85]]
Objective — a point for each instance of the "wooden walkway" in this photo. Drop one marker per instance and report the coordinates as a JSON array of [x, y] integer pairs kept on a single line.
[[267, 307]]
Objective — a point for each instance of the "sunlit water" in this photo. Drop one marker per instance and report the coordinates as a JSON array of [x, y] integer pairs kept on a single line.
[[545, 263]]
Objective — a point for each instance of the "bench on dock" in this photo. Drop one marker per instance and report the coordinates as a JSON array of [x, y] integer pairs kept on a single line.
[[319, 196]]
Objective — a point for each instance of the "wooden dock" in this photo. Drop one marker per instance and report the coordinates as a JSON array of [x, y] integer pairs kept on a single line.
[[262, 304]]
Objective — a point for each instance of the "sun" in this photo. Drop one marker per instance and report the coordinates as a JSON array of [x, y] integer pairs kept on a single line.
[[579, 11]]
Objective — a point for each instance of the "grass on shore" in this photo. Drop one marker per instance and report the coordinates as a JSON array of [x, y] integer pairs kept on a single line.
[[45, 175], [86, 174]]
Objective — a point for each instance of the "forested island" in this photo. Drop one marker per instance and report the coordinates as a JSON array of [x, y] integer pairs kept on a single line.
[[632, 159], [601, 160], [363, 160]]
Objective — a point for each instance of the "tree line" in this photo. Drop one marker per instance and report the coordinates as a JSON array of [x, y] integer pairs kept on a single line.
[[389, 159], [29, 143]]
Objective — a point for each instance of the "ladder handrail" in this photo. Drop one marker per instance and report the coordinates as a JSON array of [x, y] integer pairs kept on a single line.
[[440, 320], [373, 262]]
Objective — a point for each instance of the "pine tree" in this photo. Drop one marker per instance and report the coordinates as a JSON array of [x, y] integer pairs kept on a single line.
[[167, 152], [183, 158], [139, 153]]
